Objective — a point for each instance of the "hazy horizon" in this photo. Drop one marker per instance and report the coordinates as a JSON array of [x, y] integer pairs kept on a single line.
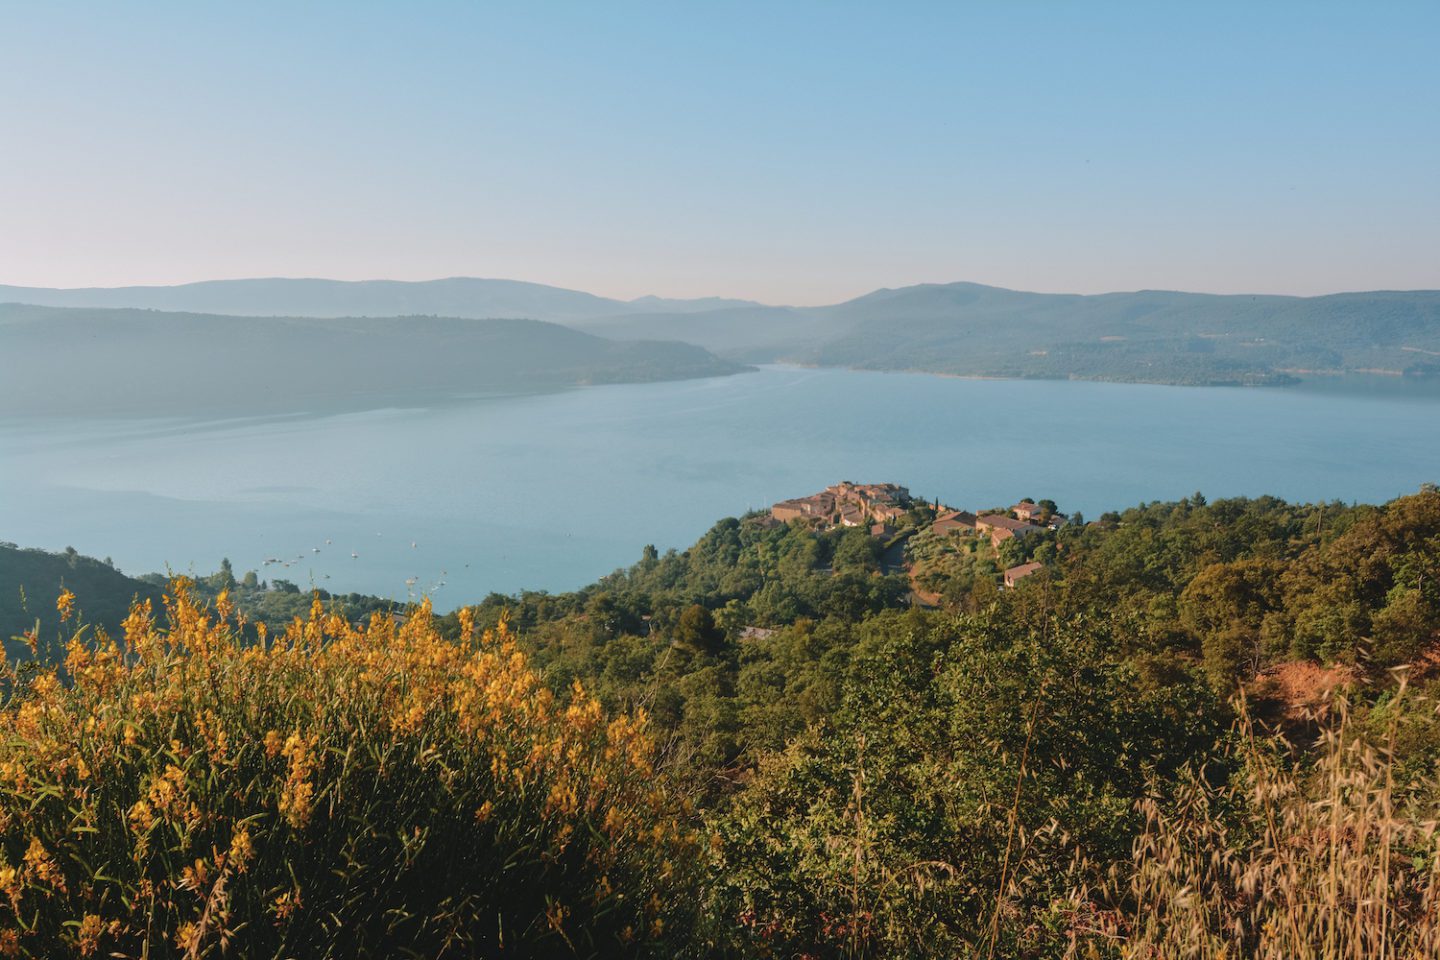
[[702, 296], [798, 155]]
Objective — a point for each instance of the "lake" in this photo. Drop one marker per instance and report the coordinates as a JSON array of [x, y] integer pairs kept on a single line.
[[552, 491]]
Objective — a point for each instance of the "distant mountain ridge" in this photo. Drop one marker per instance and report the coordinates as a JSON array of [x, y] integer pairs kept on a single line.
[[1154, 336], [472, 297], [964, 329], [968, 329]]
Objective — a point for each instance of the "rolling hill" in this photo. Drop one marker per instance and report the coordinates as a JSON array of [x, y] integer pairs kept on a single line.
[[472, 297], [964, 329], [1148, 336], [31, 580], [79, 362]]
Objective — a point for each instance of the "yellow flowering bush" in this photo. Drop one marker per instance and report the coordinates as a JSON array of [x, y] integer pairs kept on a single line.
[[331, 789]]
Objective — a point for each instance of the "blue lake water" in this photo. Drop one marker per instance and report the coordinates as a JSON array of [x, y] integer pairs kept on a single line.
[[553, 491]]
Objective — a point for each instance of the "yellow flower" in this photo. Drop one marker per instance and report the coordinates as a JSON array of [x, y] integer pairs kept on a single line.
[[65, 603], [87, 938], [167, 791], [241, 849], [10, 882], [286, 904], [323, 688], [223, 606], [297, 796], [42, 865], [187, 936], [141, 816]]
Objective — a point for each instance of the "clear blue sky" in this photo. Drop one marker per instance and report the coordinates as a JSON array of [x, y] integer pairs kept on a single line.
[[792, 152]]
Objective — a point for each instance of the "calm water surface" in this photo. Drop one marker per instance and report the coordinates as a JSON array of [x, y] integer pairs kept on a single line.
[[553, 491]]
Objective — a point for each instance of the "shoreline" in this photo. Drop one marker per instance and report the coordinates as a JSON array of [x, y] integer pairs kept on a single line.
[[912, 371], [1297, 376]]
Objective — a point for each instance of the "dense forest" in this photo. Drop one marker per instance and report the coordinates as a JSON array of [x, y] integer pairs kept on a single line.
[[1203, 728]]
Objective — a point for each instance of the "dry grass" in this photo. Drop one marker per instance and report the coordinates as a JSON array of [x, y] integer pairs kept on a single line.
[[1324, 860]]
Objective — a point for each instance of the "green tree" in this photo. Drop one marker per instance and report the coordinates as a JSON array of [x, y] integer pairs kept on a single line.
[[696, 629], [1225, 607]]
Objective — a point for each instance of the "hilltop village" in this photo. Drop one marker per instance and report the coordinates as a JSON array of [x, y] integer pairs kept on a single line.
[[893, 516]]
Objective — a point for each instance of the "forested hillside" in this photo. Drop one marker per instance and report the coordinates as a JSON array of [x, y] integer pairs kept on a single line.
[[1216, 593], [30, 580], [1040, 771], [1153, 336], [1026, 720], [1148, 336]]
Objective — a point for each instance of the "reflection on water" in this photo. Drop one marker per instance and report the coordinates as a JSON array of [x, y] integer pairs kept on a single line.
[[1361, 386]]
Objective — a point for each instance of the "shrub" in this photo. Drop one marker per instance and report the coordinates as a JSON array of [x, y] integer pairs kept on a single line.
[[334, 791]]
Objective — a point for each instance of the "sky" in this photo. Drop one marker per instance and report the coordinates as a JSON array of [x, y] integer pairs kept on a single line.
[[787, 152]]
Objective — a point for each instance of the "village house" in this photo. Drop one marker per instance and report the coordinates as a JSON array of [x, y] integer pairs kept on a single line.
[[819, 506], [1002, 528], [887, 511], [953, 521], [1015, 574], [787, 510], [1027, 510]]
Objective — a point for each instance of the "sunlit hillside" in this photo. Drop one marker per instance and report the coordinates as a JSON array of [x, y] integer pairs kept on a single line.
[[1198, 729]]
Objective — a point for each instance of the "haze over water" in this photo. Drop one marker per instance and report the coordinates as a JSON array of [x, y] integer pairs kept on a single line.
[[553, 491]]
